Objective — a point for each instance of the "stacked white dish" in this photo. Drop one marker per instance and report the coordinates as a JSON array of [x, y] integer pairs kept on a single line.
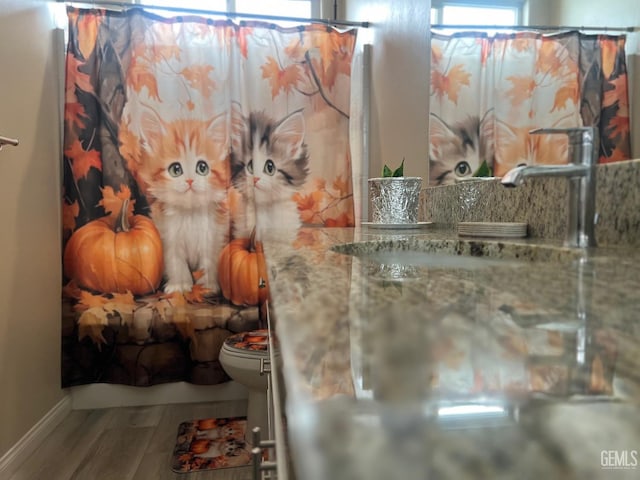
[[492, 229]]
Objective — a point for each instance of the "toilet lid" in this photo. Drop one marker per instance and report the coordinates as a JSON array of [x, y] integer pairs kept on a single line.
[[253, 341]]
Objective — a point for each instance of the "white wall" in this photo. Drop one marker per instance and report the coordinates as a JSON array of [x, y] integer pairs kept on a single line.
[[400, 57], [29, 215], [612, 13], [540, 12]]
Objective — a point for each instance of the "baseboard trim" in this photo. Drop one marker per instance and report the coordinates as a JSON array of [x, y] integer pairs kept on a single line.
[[27, 445]]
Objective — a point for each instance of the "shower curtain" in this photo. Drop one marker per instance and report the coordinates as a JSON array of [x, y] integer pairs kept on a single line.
[[185, 140], [487, 92]]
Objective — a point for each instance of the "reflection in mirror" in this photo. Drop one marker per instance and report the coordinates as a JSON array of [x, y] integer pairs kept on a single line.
[[491, 86]]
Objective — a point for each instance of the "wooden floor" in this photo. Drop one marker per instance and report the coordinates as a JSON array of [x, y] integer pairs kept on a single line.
[[128, 443]]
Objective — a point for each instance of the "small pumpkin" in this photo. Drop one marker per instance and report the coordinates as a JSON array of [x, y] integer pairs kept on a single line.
[[242, 272], [199, 445], [207, 423], [127, 257]]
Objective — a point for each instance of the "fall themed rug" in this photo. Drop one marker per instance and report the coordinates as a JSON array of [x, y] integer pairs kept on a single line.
[[211, 443]]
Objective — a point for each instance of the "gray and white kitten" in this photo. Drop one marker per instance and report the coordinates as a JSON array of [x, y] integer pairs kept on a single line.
[[269, 163], [458, 150]]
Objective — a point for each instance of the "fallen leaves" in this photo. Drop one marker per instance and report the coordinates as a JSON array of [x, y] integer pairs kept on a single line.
[[148, 319]]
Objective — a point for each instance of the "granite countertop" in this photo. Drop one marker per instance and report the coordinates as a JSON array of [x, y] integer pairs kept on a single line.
[[410, 366]]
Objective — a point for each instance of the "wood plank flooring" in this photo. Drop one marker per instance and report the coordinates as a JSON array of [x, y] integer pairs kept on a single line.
[[128, 443]]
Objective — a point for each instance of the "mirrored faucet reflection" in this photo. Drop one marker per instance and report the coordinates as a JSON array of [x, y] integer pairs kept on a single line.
[[581, 174]]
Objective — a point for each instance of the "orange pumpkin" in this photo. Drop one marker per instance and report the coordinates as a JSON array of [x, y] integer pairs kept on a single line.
[[207, 424], [116, 260], [199, 445], [242, 272]]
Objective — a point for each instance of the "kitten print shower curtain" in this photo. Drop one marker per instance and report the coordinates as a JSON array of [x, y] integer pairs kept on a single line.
[[488, 92], [185, 139]]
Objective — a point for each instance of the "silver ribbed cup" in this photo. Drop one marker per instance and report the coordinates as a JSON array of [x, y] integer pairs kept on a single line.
[[395, 199]]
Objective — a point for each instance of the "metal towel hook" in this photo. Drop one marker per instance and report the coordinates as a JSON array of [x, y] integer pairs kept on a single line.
[[8, 141]]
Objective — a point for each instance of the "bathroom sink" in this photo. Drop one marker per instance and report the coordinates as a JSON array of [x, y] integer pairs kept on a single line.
[[456, 253]]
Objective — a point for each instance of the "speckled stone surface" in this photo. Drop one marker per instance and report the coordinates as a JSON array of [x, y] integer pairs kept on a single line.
[[389, 346], [542, 204]]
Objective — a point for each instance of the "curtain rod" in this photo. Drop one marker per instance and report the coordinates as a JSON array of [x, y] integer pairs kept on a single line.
[[195, 11], [532, 27]]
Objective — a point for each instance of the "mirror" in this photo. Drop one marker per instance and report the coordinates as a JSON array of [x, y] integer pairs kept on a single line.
[[455, 135]]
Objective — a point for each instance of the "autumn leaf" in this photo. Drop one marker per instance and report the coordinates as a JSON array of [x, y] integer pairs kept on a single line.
[[309, 205], [295, 50], [439, 84], [88, 26], [618, 126], [327, 47], [609, 49], [521, 44], [198, 274], [436, 54], [197, 77], [523, 87], [549, 60], [598, 382], [342, 186], [197, 294], [91, 324], [617, 155], [112, 201], [165, 50], [280, 79], [619, 93], [327, 76], [130, 145], [201, 30], [164, 308], [306, 238], [75, 76], [72, 290], [451, 83], [344, 220], [319, 183], [88, 300], [69, 214], [242, 39], [330, 47], [124, 299], [566, 93], [74, 112], [140, 74], [175, 299], [82, 160], [485, 49]]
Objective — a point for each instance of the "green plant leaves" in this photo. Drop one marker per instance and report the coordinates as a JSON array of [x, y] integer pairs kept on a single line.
[[398, 172], [483, 171]]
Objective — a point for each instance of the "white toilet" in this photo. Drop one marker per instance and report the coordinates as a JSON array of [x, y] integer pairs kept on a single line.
[[240, 357]]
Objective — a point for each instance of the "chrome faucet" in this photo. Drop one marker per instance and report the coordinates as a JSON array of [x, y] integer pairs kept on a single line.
[[583, 148]]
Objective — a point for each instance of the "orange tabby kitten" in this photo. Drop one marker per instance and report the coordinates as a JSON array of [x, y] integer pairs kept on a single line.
[[183, 170]]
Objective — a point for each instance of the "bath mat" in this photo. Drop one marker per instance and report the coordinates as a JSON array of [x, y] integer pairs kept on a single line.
[[211, 443]]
